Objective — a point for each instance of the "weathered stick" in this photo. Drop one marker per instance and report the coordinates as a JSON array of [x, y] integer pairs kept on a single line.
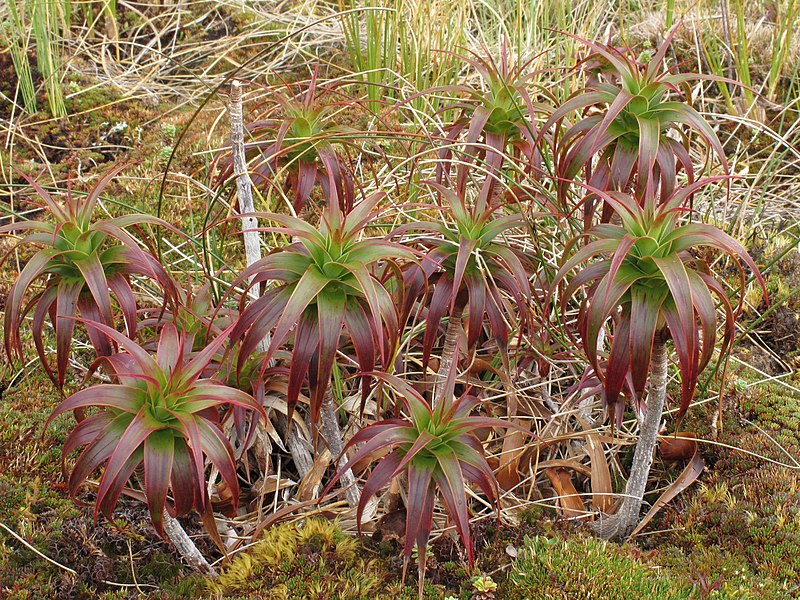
[[329, 427], [619, 525], [244, 188], [186, 547], [252, 242]]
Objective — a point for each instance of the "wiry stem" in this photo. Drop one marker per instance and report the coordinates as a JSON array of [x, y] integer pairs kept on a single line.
[[622, 523]]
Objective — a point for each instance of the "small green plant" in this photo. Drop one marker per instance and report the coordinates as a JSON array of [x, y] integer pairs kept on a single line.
[[484, 583], [648, 289], [164, 155], [629, 135], [169, 130], [586, 568], [415, 553], [300, 143], [328, 284], [437, 449], [311, 559], [470, 265]]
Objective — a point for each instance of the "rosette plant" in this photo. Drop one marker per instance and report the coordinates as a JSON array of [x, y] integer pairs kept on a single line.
[[470, 266], [301, 142], [648, 288], [503, 115], [329, 282], [637, 137], [162, 414], [438, 451], [85, 265], [195, 315]]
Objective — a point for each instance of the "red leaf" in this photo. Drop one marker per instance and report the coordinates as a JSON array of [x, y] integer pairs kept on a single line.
[[122, 397], [94, 274], [129, 443], [380, 476], [450, 482], [159, 449], [419, 504], [183, 480], [218, 449], [644, 314]]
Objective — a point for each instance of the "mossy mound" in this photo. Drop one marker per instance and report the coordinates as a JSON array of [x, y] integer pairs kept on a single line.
[[309, 560], [587, 568], [741, 526]]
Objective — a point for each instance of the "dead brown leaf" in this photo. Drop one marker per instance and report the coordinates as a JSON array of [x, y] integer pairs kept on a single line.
[[568, 497]]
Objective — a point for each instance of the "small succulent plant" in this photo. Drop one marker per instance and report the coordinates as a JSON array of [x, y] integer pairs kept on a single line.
[[327, 285], [437, 450], [160, 414], [85, 265]]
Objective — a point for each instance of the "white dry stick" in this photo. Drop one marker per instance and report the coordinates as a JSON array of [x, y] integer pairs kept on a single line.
[[244, 188], [252, 243]]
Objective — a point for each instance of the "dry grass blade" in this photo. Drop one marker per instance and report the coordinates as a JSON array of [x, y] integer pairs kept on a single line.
[[310, 484], [602, 490]]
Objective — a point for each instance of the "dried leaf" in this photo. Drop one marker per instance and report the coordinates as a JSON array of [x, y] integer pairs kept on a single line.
[[602, 490], [513, 449], [311, 482], [679, 446], [572, 464], [568, 497], [271, 484], [684, 480]]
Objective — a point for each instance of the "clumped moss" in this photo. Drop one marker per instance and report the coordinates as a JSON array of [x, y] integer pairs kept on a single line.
[[586, 568], [719, 573], [742, 524], [309, 560]]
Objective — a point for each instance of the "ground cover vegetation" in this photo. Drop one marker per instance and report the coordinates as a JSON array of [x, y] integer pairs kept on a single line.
[[513, 297]]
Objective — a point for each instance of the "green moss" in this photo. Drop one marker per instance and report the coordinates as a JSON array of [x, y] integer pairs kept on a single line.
[[742, 524], [86, 95], [723, 571], [192, 587], [310, 560], [161, 567], [589, 569]]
